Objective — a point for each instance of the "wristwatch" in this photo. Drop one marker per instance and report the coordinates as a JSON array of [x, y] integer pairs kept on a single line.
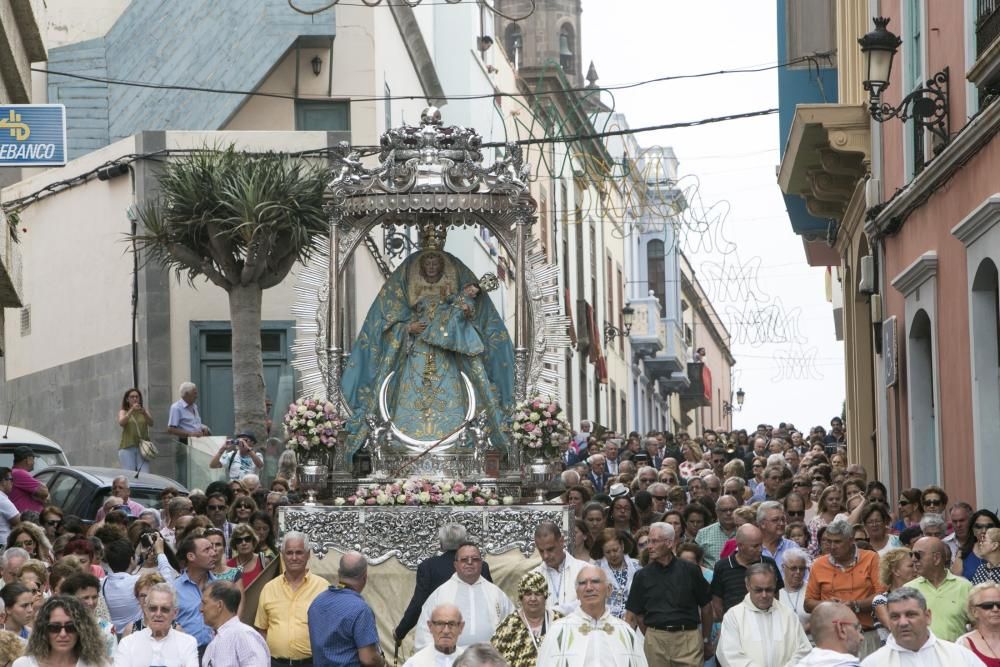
[[856, 607]]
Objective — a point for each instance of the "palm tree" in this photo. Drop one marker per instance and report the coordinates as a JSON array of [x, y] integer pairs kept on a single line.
[[242, 221]]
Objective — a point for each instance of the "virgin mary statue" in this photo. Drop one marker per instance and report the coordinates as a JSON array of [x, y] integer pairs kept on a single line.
[[430, 324]]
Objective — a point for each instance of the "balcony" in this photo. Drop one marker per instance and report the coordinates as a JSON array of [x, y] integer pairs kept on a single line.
[[699, 393], [985, 73], [645, 335], [670, 360]]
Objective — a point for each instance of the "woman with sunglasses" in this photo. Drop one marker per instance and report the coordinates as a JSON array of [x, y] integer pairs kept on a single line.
[[263, 525], [31, 538], [242, 509], [244, 547], [65, 634], [984, 611], [934, 500], [970, 555], [910, 510]]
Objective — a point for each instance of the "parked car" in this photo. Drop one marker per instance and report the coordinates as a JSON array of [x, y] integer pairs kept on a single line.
[[47, 452], [82, 490]]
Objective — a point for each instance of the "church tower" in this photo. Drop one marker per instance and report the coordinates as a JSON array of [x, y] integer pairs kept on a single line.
[[547, 38]]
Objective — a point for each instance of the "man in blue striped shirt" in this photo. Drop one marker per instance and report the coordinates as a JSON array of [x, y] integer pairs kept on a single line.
[[341, 624]]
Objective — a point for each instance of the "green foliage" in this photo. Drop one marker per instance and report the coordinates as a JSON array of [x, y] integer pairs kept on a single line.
[[235, 218]]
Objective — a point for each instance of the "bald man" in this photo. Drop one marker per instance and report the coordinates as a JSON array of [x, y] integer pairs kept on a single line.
[[946, 593], [446, 626], [729, 580], [591, 636], [341, 624], [837, 634]]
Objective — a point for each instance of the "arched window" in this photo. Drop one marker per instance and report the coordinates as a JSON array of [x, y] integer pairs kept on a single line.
[[923, 415], [655, 271], [567, 41], [514, 43]]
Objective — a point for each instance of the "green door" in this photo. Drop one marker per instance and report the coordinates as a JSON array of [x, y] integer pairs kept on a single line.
[[212, 367]]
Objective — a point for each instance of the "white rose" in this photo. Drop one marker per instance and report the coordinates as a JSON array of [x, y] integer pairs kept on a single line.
[[459, 497], [301, 409], [401, 499], [424, 497], [358, 502], [508, 500], [339, 502], [445, 487], [534, 417], [311, 424], [493, 501], [315, 440]]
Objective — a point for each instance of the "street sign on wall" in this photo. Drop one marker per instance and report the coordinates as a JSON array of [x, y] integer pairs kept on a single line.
[[32, 135]]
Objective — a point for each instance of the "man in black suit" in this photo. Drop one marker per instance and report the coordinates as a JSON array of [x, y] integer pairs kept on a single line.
[[433, 572]]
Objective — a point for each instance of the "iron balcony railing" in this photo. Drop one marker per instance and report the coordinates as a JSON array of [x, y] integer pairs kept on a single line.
[[987, 24]]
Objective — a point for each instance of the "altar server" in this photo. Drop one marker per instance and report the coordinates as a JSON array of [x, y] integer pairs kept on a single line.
[[482, 604], [446, 627], [591, 636]]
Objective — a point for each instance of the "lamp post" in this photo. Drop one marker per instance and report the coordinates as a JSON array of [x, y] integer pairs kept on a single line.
[[927, 105], [727, 407], [611, 331]]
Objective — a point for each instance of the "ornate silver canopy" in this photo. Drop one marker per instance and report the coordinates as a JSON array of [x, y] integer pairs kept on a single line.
[[431, 176]]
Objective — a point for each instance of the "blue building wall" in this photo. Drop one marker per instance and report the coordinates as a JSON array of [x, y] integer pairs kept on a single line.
[[223, 44], [799, 85]]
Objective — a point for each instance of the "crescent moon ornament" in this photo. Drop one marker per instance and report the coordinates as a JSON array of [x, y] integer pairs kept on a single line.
[[420, 446]]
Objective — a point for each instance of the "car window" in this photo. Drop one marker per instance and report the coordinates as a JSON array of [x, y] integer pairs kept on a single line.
[[61, 492], [42, 460]]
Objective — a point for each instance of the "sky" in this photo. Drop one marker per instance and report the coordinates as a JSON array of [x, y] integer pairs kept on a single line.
[[751, 263]]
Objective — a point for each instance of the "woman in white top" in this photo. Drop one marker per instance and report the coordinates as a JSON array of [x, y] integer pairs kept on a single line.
[[794, 571], [618, 565], [65, 635], [158, 643]]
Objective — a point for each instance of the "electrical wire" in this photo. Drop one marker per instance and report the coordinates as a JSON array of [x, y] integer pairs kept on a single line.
[[408, 3], [385, 98]]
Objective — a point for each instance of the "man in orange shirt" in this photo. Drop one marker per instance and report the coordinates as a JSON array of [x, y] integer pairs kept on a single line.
[[848, 575]]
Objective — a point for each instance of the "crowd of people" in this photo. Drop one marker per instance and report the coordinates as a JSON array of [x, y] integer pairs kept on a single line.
[[737, 549]]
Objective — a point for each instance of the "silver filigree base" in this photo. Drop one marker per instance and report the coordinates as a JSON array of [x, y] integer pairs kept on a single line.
[[411, 533]]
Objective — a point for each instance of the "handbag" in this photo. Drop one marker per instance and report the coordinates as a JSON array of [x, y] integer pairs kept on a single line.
[[147, 448]]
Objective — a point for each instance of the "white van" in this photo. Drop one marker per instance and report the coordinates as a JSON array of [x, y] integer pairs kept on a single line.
[[47, 452]]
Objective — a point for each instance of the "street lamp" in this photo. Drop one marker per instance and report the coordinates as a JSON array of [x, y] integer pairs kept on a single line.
[[927, 105], [727, 407], [611, 331]]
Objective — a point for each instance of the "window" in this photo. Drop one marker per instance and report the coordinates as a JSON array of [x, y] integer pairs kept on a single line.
[[567, 42], [609, 316], [655, 270], [621, 317], [914, 74], [812, 28], [26, 321], [323, 116], [612, 408], [514, 44]]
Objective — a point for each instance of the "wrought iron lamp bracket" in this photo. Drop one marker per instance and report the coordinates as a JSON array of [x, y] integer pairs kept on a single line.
[[927, 106]]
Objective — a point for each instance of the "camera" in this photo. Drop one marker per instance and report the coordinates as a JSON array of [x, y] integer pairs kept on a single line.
[[147, 540]]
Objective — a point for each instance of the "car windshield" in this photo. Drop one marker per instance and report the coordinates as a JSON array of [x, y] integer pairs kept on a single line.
[[42, 460]]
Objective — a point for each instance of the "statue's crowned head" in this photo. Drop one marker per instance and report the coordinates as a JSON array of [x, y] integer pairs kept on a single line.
[[433, 236]]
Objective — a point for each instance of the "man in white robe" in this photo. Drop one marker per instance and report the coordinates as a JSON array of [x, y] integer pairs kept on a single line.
[[759, 633], [591, 636], [446, 627], [912, 644], [558, 567], [482, 604], [838, 637]]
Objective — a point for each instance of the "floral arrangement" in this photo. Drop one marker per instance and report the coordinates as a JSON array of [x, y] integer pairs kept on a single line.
[[312, 425], [540, 428], [423, 492]]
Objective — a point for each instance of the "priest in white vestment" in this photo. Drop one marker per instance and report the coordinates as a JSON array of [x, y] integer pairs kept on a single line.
[[482, 604], [591, 636], [759, 633], [912, 644], [446, 627], [558, 567]]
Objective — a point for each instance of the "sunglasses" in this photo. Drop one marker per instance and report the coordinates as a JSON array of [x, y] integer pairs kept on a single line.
[[241, 540], [932, 502], [802, 513], [53, 523], [243, 507], [916, 555], [57, 628], [216, 508], [988, 605], [159, 610], [982, 526]]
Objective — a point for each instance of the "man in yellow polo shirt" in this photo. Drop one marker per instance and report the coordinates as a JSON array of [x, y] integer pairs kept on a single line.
[[946, 593], [282, 612]]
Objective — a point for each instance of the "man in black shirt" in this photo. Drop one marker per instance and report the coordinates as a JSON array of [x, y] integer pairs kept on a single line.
[[729, 580], [671, 597]]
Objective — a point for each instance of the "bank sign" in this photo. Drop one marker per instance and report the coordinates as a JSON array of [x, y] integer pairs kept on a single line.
[[32, 135]]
